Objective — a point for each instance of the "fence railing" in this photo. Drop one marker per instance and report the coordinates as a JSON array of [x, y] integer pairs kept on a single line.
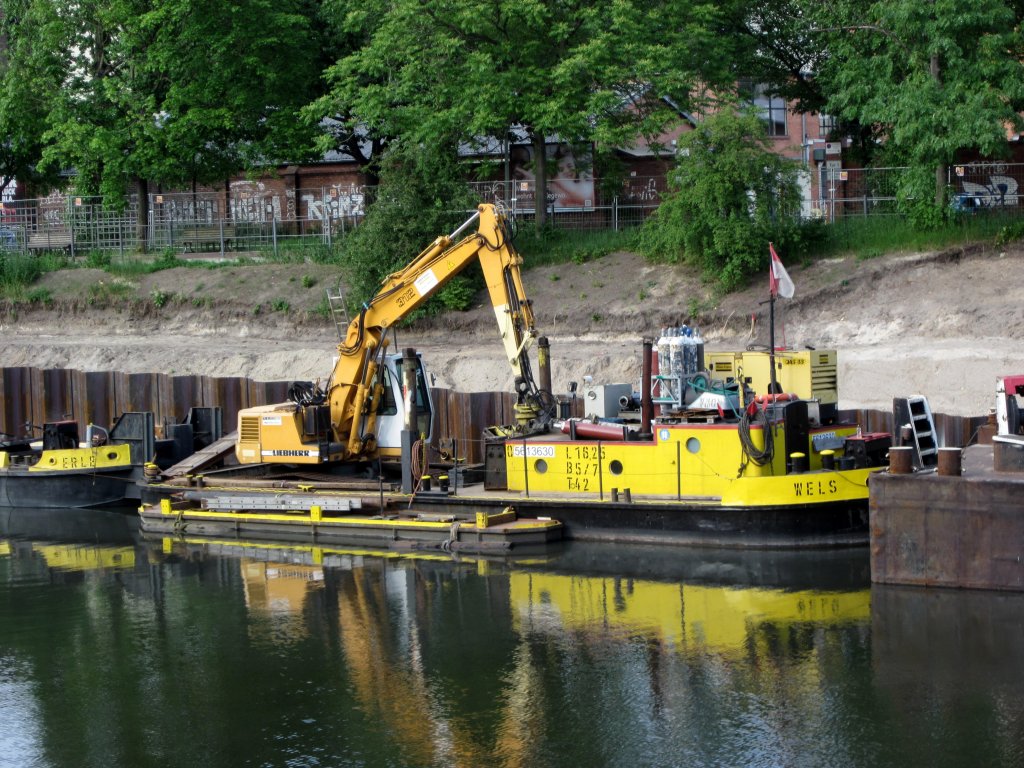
[[268, 218]]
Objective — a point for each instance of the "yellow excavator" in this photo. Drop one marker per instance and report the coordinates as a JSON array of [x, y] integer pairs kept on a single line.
[[359, 415]]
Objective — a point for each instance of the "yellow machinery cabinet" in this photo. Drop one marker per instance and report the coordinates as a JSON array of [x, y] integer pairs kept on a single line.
[[807, 373]]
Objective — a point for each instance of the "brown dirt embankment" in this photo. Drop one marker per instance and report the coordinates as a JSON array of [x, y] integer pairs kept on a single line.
[[941, 324]]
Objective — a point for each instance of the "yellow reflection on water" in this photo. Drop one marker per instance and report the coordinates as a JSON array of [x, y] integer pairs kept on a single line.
[[278, 592], [683, 615], [73, 557]]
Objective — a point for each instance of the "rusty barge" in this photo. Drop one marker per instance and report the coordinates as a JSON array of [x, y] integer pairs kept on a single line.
[[960, 522]]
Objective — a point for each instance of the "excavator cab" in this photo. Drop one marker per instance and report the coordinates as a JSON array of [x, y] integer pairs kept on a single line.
[[390, 412]]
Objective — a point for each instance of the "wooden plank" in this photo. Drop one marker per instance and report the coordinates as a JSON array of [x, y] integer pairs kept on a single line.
[[204, 458]]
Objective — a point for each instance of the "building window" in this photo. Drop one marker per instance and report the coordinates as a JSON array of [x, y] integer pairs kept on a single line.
[[826, 126], [770, 108]]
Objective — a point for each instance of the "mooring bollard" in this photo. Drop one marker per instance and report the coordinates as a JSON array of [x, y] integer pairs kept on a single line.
[[828, 459], [950, 462], [798, 462], [901, 460]]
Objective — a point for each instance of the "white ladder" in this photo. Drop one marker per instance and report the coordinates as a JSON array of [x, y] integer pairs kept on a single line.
[[917, 414], [336, 304]]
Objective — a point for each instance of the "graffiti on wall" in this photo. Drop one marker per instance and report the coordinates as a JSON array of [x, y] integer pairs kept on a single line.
[[257, 201], [641, 189], [52, 208], [188, 209], [996, 191], [336, 202]]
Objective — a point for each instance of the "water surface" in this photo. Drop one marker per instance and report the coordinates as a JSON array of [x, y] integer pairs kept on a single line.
[[120, 651]]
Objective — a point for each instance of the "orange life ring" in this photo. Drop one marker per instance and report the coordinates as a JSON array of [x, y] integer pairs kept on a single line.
[[778, 397]]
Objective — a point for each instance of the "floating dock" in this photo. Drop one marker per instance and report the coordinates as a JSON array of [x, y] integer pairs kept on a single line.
[[285, 507], [336, 518], [960, 526]]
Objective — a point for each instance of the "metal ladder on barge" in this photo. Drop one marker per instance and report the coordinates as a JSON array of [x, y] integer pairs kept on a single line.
[[915, 414]]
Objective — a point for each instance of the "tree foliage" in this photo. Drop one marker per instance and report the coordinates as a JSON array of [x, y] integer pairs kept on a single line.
[[728, 197], [229, 80], [574, 69], [937, 77], [348, 27], [171, 91], [32, 77]]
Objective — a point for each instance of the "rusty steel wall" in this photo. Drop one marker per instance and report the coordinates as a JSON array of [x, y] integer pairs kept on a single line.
[[31, 396], [953, 431], [464, 417]]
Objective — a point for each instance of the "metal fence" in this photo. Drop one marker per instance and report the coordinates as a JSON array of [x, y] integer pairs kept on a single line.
[[67, 222], [212, 221], [583, 204], [273, 218], [856, 192], [978, 186]]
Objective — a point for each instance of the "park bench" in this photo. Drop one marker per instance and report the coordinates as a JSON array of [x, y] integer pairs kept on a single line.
[[50, 240], [196, 237]]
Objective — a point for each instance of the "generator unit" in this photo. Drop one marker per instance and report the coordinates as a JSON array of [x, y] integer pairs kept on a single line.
[[812, 374], [604, 400]]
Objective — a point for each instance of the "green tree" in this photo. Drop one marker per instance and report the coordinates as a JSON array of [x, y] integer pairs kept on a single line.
[[348, 26], [580, 71], [936, 76], [174, 91], [30, 78], [776, 44], [230, 79], [728, 197]]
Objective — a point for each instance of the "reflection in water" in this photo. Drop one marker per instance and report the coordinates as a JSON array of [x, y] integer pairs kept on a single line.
[[278, 592], [69, 557], [720, 619], [955, 660], [228, 654]]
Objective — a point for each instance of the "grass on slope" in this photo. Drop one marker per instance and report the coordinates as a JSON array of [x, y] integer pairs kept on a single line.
[[861, 237]]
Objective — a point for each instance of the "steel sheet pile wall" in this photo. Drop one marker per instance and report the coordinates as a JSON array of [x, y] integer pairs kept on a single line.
[[30, 396], [464, 417], [21, 400], [954, 431]]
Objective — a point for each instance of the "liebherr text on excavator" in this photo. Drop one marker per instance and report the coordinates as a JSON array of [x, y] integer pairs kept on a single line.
[[358, 415]]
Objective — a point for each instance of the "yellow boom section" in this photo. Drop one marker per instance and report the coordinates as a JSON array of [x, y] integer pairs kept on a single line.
[[296, 433], [404, 291]]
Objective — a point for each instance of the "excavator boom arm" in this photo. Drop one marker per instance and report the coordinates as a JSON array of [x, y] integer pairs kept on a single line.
[[404, 291], [298, 431]]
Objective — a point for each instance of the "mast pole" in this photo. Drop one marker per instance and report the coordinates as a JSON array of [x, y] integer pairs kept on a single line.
[[773, 386]]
